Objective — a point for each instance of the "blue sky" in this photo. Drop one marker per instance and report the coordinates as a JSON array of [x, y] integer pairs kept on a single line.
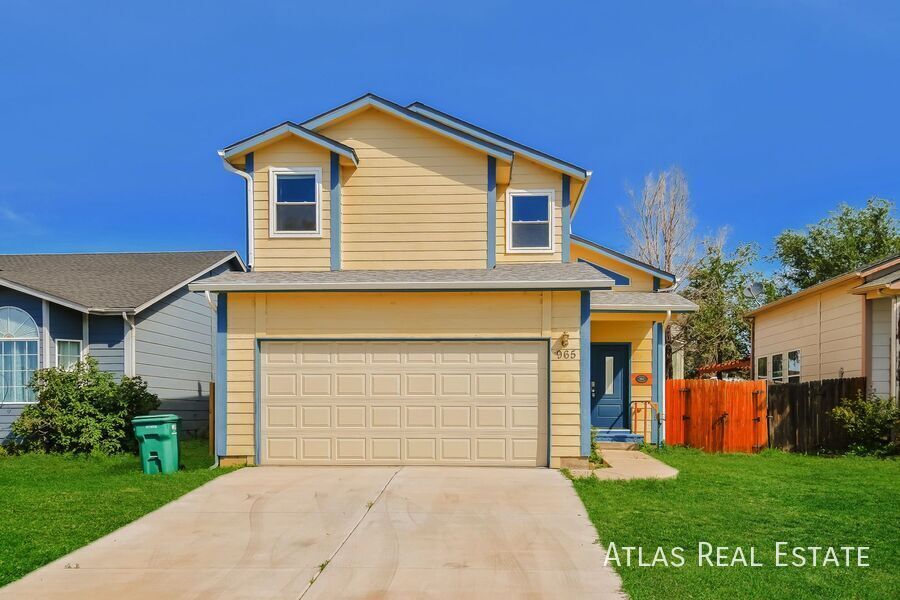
[[112, 113]]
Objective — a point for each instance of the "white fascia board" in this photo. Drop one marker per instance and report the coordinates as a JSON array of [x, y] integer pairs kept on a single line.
[[43, 296], [396, 285], [491, 149], [515, 148], [275, 132], [187, 281]]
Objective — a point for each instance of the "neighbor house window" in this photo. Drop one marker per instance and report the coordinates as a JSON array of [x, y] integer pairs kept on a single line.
[[778, 368], [18, 354], [295, 202], [762, 367], [68, 353], [530, 222], [793, 366]]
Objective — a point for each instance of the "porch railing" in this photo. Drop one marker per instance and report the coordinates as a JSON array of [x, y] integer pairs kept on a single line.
[[642, 414]]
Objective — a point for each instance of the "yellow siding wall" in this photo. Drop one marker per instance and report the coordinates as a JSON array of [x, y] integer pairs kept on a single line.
[[410, 315], [289, 254], [827, 327], [530, 176], [637, 331], [641, 281], [417, 200]]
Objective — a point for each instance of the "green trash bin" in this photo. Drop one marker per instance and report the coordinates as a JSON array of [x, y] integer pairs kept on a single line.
[[158, 439]]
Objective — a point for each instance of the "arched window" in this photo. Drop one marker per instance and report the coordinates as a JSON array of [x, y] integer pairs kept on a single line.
[[18, 354]]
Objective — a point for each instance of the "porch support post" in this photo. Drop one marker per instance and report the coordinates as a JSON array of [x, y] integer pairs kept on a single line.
[[657, 434], [221, 406], [584, 345]]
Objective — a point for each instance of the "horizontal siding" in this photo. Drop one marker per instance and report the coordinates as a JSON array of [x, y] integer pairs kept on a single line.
[[290, 254], [827, 328], [8, 414], [639, 281], [174, 355], [416, 201], [107, 343], [529, 176], [403, 315]]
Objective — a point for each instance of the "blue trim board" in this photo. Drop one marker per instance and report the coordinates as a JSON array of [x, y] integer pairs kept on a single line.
[[658, 371], [491, 212], [617, 278], [584, 337], [249, 167], [335, 211], [566, 217], [656, 284], [650, 269], [221, 422]]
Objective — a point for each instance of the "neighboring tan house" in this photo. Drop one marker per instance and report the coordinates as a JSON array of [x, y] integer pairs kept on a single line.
[[843, 327], [416, 297], [132, 312]]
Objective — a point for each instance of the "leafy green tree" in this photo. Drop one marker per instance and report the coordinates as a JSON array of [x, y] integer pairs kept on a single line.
[[846, 239], [718, 332]]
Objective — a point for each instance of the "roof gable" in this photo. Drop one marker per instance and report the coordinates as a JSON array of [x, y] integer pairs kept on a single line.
[[372, 101], [108, 282], [288, 128], [623, 258]]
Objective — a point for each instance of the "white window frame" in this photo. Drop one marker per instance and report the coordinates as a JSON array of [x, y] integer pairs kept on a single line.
[[38, 341], [274, 172], [783, 378], [551, 199], [80, 349], [768, 374], [787, 365]]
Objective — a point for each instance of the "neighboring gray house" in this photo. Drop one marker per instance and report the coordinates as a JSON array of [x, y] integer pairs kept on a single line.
[[132, 312]]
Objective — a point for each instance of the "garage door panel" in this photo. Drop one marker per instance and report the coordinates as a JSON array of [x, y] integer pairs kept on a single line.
[[455, 402]]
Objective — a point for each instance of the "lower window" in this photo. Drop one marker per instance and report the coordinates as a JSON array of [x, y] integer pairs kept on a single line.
[[778, 368], [19, 360], [762, 367], [68, 353], [793, 366]]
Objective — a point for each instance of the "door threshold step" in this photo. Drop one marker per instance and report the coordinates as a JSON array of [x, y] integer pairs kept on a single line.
[[617, 445]]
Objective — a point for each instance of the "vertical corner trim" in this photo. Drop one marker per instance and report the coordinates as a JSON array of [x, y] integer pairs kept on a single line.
[[491, 212], [566, 217], [584, 343], [221, 405], [249, 168], [659, 374], [335, 212]]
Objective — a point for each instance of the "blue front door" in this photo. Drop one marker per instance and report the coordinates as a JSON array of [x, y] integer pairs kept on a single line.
[[609, 386]]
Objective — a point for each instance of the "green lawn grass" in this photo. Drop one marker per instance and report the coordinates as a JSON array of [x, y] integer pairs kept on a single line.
[[53, 504], [746, 500]]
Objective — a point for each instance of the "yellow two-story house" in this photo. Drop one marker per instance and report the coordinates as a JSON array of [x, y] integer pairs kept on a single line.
[[415, 296]]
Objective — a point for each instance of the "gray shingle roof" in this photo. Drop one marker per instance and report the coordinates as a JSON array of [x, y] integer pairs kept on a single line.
[[524, 276], [106, 282], [640, 301]]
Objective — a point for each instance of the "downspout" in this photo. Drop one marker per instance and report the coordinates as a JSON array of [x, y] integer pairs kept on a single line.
[[248, 178], [214, 309]]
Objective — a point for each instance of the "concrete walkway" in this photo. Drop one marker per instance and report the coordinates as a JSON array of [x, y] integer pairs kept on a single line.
[[629, 464], [355, 532]]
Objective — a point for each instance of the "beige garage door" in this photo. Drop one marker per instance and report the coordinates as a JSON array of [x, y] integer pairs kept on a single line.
[[449, 402]]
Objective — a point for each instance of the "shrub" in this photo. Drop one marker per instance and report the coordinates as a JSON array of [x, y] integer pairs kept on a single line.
[[868, 421], [82, 410]]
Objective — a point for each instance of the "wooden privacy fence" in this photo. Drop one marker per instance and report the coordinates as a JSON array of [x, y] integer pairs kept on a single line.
[[799, 414], [715, 415]]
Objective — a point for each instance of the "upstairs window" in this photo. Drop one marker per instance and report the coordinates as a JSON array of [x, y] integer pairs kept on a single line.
[[295, 202], [530, 222]]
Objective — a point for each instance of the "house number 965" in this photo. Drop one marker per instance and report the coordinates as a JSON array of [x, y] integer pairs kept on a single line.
[[567, 354]]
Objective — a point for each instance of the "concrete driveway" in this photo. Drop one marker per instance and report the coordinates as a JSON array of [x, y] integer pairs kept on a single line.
[[379, 532]]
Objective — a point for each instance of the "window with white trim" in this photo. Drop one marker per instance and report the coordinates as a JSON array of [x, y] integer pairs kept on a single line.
[[762, 367], [18, 354], [778, 368], [295, 202], [68, 353], [793, 366], [530, 222]]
